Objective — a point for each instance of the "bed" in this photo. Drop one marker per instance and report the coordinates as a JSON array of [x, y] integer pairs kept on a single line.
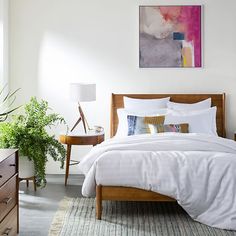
[[134, 194], [120, 193]]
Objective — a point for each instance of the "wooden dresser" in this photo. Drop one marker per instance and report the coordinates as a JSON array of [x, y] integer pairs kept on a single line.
[[9, 207]]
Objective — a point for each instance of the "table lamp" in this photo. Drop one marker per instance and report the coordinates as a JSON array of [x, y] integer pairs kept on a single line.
[[80, 92]]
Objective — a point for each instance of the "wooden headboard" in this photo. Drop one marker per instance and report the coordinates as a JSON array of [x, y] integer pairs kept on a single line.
[[218, 100]]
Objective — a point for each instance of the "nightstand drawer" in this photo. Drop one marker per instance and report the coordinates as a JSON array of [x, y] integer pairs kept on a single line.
[[8, 197], [8, 168], [9, 225]]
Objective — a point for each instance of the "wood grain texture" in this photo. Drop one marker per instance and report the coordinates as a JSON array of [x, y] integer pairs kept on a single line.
[[8, 167], [131, 194], [8, 197], [99, 202], [81, 140], [70, 140], [218, 100], [9, 188], [9, 225], [116, 193], [6, 153]]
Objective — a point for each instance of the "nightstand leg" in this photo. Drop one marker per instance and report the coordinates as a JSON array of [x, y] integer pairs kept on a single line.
[[67, 162]]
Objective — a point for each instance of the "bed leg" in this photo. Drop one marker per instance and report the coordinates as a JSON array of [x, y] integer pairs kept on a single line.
[[99, 202]]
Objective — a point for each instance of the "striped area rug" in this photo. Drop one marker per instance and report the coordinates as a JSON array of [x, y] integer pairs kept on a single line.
[[76, 217]]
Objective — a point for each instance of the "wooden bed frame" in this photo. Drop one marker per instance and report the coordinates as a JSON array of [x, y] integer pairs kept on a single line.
[[117, 193]]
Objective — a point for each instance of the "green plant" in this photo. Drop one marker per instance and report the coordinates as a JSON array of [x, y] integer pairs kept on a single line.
[[28, 133], [6, 103]]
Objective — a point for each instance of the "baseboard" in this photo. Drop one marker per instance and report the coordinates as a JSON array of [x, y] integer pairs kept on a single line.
[[74, 179]]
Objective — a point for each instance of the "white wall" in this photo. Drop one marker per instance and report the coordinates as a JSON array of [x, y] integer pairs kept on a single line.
[[54, 42], [3, 42]]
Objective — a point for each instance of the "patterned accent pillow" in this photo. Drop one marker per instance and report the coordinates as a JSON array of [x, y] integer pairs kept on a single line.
[[143, 125], [177, 128]]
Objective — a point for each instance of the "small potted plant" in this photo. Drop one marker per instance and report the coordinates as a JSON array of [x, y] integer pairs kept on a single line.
[[28, 133]]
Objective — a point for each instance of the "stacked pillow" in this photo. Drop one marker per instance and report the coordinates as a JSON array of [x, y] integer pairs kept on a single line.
[[135, 104], [202, 121], [160, 115], [205, 104]]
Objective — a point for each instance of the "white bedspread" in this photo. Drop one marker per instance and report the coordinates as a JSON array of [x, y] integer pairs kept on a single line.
[[198, 170]]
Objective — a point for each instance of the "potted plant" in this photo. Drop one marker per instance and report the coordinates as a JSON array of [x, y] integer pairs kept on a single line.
[[28, 133]]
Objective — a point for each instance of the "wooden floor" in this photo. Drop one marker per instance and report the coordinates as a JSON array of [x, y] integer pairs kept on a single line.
[[38, 208]]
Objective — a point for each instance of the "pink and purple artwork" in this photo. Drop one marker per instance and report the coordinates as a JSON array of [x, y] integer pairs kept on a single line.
[[170, 36]]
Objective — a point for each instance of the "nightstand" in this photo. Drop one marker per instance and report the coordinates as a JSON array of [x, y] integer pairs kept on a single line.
[[234, 136], [92, 138]]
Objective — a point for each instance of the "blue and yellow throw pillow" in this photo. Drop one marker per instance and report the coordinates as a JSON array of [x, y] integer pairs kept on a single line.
[[144, 125], [151, 125]]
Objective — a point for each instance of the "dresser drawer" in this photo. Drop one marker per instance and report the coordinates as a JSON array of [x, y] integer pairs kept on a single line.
[[8, 197], [7, 168], [9, 225]]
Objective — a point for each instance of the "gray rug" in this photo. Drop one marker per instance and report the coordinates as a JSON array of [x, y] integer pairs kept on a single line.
[[76, 216]]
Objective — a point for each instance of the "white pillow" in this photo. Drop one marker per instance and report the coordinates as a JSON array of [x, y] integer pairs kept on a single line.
[[205, 104], [145, 104], [203, 121], [122, 130]]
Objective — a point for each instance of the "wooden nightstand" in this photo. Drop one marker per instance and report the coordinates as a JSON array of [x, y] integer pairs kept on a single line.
[[234, 136], [82, 139]]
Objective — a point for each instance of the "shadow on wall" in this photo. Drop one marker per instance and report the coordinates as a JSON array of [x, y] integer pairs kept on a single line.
[[65, 45]]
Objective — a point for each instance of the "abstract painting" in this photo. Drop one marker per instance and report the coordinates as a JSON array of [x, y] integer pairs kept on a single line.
[[170, 36]]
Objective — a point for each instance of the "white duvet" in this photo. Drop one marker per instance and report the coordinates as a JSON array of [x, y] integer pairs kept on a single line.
[[198, 170]]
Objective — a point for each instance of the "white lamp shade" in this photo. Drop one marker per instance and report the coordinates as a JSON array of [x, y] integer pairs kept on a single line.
[[82, 92]]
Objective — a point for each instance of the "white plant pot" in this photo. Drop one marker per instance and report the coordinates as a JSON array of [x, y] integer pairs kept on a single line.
[[26, 167]]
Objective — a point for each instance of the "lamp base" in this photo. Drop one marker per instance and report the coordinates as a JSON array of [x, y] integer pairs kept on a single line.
[[81, 118]]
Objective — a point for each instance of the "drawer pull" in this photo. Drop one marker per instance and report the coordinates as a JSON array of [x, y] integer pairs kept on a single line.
[[0, 176], [12, 164], [7, 231], [6, 200]]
